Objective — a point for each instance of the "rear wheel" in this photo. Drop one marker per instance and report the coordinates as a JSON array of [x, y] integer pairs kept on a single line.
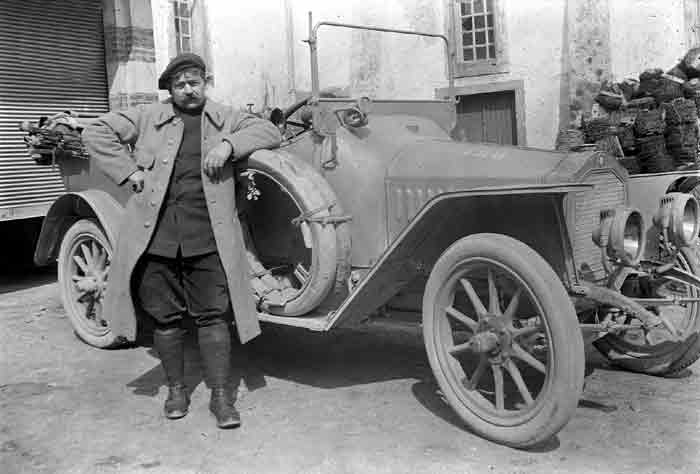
[[83, 266], [655, 351], [503, 339]]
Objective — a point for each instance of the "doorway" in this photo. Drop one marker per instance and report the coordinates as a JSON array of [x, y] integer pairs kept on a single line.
[[488, 117]]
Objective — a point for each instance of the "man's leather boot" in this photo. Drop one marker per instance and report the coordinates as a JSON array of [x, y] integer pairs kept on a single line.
[[170, 344], [215, 350]]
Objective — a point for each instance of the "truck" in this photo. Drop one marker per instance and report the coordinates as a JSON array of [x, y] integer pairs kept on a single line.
[[506, 258]]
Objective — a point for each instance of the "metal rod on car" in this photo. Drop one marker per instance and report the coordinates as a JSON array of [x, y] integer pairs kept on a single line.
[[315, 94]]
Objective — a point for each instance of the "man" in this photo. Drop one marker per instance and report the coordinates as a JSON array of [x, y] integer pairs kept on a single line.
[[192, 262]]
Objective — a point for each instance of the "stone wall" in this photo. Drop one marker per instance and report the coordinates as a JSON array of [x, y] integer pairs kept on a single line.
[[560, 50]]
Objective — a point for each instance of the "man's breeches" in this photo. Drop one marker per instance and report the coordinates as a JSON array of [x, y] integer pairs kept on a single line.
[[169, 288]]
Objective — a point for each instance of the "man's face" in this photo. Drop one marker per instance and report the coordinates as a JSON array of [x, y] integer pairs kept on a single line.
[[187, 89]]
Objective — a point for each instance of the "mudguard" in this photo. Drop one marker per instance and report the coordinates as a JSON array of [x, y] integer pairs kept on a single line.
[[69, 208], [528, 213]]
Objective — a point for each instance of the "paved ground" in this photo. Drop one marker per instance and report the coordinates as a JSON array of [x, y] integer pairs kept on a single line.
[[338, 403]]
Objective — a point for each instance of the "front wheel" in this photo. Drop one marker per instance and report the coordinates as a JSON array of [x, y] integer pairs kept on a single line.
[[503, 340], [83, 266]]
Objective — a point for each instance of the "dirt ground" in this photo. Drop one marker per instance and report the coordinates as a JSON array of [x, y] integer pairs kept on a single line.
[[349, 402]]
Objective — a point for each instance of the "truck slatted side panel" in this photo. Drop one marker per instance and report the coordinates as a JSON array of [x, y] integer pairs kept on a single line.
[[52, 60]]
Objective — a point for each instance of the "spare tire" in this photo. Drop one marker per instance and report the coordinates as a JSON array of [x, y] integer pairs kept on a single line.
[[297, 234]]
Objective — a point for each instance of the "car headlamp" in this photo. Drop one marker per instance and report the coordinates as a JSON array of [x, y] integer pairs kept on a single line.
[[621, 234], [678, 217]]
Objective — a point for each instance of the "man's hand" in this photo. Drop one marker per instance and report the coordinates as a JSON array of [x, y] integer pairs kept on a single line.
[[136, 180], [213, 163]]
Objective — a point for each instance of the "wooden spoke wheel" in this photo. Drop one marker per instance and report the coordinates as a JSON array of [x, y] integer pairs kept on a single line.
[[503, 339], [83, 268]]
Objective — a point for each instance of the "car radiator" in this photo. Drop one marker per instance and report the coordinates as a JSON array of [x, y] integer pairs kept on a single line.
[[608, 192]]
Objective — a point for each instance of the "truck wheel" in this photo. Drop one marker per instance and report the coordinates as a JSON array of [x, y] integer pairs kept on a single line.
[[503, 340], [83, 266], [654, 351]]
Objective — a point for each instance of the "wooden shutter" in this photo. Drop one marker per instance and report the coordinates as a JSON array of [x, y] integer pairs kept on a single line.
[[52, 59], [488, 117]]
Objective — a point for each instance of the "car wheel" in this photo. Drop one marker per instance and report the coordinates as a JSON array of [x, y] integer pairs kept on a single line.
[[503, 340], [655, 351], [83, 266]]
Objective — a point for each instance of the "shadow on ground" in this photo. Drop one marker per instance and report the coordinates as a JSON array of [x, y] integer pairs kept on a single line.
[[242, 371], [328, 361], [22, 276]]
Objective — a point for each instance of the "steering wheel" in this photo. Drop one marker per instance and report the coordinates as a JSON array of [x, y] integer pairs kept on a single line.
[[279, 117]]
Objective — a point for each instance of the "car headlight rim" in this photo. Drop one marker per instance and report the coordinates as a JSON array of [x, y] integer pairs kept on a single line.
[[678, 215], [686, 221], [626, 238]]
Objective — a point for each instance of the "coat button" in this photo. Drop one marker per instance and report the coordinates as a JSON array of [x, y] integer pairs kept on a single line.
[[170, 142], [153, 203], [165, 161], [147, 224], [213, 201]]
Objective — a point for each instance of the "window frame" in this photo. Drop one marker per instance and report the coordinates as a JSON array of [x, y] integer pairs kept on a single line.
[[177, 25], [478, 67]]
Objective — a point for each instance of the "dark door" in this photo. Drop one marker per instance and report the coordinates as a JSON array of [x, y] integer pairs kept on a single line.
[[487, 118]]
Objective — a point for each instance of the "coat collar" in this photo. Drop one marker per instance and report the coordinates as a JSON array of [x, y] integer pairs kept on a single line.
[[213, 111]]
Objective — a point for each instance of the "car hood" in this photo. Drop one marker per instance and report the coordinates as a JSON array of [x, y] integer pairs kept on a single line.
[[485, 164]]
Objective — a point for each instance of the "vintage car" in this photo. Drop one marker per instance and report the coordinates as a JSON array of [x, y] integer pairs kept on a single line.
[[507, 257]]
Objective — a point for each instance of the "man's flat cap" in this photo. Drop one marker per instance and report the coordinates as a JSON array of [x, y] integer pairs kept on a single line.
[[180, 63]]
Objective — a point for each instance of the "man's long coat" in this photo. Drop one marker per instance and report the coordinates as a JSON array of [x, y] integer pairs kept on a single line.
[[155, 132]]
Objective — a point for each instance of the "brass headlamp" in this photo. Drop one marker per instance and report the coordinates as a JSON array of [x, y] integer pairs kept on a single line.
[[621, 234], [677, 218]]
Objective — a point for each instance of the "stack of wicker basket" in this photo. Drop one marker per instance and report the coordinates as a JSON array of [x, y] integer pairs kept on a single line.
[[682, 130], [652, 124], [649, 129], [598, 128]]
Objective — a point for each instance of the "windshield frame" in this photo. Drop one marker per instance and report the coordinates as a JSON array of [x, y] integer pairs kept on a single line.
[[313, 46]]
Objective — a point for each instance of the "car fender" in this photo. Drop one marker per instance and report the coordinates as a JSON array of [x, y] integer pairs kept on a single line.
[[71, 207], [526, 212]]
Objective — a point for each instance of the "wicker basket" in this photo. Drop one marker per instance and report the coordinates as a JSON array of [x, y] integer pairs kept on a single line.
[[680, 111], [652, 157], [597, 129], [667, 88], [649, 81], [609, 100], [629, 88], [682, 143], [625, 133], [570, 138], [642, 103], [649, 122]]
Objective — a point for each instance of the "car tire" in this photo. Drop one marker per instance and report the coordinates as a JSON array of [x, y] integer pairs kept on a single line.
[[510, 265], [83, 265]]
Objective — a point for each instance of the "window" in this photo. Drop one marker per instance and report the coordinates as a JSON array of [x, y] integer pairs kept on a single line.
[[183, 26], [478, 38]]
